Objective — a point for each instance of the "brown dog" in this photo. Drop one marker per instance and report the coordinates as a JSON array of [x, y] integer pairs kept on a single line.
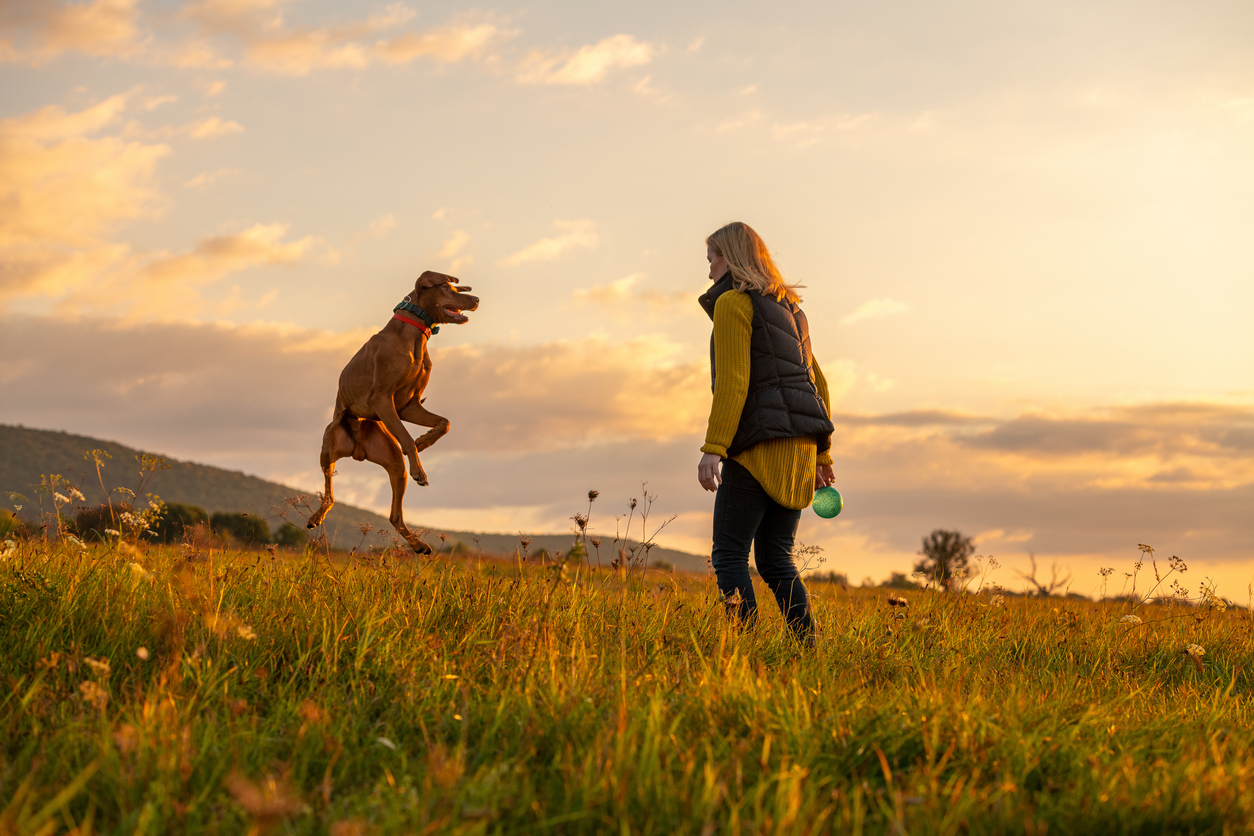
[[382, 386]]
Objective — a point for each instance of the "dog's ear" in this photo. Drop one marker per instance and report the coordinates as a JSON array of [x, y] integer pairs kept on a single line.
[[430, 278], [463, 288]]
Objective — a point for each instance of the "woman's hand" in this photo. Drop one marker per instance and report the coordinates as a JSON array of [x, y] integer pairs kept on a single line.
[[823, 476], [708, 471]]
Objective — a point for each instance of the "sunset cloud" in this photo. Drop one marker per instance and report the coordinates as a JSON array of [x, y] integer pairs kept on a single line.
[[501, 399], [48, 29], [213, 127], [587, 65], [270, 43], [165, 282], [617, 297], [875, 308], [202, 180], [63, 189], [575, 235], [565, 416], [445, 45]]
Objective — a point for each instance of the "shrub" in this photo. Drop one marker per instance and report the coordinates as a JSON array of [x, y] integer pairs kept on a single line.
[[945, 555], [174, 521], [10, 525], [90, 523], [240, 528], [290, 536], [898, 580]]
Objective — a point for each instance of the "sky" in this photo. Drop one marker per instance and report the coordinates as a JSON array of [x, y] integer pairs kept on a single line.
[[1022, 232]]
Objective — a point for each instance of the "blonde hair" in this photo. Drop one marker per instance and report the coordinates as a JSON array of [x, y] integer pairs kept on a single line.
[[750, 262]]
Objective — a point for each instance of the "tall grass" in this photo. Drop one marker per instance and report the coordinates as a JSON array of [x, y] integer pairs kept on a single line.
[[150, 692]]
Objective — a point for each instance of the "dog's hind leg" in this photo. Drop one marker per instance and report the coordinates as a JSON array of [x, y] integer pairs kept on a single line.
[[336, 444], [416, 413], [384, 450]]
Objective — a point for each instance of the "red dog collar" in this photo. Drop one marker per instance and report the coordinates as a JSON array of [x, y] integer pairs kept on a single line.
[[419, 325]]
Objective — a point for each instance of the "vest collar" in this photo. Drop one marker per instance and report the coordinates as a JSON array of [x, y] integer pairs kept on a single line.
[[428, 321], [707, 299]]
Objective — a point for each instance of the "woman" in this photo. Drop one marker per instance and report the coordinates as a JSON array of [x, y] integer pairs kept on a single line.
[[770, 424]]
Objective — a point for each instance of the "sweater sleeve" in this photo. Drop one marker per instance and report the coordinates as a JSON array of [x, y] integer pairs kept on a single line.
[[733, 331], [820, 383]]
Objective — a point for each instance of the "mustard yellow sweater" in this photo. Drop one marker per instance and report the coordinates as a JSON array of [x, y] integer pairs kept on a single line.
[[784, 467]]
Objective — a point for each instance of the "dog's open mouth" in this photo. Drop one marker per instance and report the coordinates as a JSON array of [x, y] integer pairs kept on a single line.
[[456, 316]]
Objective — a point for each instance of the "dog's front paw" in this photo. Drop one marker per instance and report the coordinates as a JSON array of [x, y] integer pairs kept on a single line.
[[421, 479]]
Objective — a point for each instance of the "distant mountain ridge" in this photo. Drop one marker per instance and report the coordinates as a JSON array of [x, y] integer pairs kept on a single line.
[[27, 454]]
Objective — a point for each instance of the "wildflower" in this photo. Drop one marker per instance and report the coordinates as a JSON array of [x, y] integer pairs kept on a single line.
[[896, 601], [1211, 600], [72, 539], [365, 528], [997, 601], [1130, 619], [581, 520], [311, 713], [1195, 650], [383, 741], [9, 547], [93, 694], [143, 654], [596, 542], [592, 495], [100, 666], [1145, 550], [140, 573], [267, 801], [113, 532], [1178, 564], [77, 494], [61, 498], [126, 738], [245, 632], [126, 491]]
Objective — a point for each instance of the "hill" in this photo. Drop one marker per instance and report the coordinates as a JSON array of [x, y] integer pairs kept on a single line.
[[27, 454]]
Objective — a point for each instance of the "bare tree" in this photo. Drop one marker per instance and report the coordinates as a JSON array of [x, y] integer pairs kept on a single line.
[[945, 554], [1055, 583]]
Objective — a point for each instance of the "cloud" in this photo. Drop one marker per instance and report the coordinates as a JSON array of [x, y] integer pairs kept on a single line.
[[166, 282], [587, 65], [445, 45], [202, 180], [801, 134], [270, 43], [747, 118], [875, 308], [259, 396], [101, 28], [63, 189], [550, 421], [212, 128], [617, 295], [576, 235], [454, 245], [380, 227]]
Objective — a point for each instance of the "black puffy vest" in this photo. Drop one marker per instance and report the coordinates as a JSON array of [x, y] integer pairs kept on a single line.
[[783, 401]]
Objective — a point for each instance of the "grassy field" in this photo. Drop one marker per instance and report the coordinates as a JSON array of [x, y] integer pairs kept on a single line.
[[158, 691]]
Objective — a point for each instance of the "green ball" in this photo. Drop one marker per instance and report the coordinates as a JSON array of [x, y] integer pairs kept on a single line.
[[828, 502]]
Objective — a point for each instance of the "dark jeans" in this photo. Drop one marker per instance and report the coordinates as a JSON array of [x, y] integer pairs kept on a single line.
[[744, 513]]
